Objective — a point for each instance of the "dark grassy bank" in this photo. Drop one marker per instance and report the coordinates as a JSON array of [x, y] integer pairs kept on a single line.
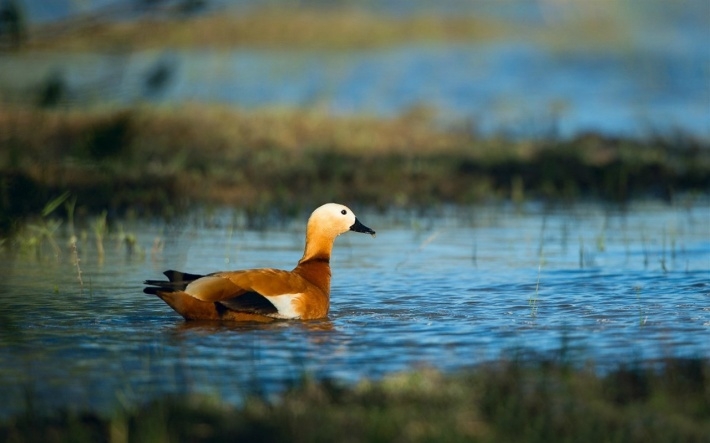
[[157, 161], [528, 401]]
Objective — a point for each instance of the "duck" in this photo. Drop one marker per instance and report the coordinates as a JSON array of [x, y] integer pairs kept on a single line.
[[265, 294]]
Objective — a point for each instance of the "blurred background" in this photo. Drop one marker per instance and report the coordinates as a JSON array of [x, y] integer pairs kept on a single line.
[[516, 67]]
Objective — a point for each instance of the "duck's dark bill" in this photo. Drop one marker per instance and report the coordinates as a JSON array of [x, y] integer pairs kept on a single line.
[[359, 227]]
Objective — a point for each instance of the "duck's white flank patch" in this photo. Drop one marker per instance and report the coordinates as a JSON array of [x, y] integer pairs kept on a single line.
[[284, 304]]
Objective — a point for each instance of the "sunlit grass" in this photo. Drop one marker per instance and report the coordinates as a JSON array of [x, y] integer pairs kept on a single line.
[[315, 28], [157, 160]]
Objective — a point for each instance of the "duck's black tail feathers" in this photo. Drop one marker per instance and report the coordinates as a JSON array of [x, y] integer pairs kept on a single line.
[[178, 281]]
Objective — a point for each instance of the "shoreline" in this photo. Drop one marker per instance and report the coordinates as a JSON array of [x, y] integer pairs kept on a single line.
[[157, 161]]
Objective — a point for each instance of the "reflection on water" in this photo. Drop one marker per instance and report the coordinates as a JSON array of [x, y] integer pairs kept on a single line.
[[447, 289]]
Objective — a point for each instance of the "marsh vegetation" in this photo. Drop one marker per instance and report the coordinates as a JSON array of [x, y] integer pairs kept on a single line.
[[157, 161], [510, 400]]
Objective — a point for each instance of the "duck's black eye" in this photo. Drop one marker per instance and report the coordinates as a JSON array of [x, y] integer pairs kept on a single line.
[[343, 212]]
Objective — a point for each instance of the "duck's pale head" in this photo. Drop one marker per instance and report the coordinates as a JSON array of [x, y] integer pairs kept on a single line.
[[336, 219]]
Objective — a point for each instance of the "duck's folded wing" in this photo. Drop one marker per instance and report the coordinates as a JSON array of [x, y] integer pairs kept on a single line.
[[213, 288], [267, 282], [256, 290]]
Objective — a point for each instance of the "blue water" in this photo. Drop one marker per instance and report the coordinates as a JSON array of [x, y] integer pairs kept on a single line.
[[448, 289], [515, 88]]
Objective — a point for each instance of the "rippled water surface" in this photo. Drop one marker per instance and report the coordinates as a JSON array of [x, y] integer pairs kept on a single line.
[[448, 289]]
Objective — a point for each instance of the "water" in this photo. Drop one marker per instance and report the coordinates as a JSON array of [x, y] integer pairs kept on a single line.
[[448, 289], [518, 88]]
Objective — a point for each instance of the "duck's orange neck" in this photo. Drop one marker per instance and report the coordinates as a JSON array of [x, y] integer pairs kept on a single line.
[[319, 244], [315, 263]]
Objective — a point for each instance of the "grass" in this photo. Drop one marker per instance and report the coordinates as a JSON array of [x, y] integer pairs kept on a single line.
[[334, 28], [534, 299], [524, 400], [52, 235], [152, 160]]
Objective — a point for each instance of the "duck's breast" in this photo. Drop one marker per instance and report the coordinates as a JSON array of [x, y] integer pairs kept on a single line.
[[286, 305]]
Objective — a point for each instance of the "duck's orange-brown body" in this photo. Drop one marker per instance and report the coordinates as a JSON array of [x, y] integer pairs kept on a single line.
[[265, 294]]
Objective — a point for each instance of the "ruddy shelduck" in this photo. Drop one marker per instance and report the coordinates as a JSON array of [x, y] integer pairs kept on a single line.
[[265, 294]]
